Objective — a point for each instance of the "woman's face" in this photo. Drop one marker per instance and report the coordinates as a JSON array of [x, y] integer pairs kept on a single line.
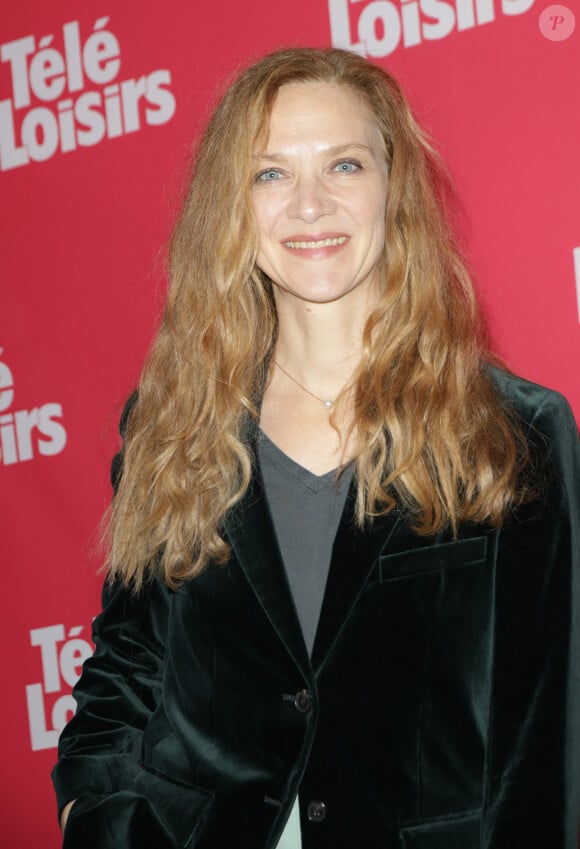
[[319, 194]]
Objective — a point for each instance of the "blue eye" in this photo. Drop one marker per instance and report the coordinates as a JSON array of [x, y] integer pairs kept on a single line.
[[347, 166], [268, 176]]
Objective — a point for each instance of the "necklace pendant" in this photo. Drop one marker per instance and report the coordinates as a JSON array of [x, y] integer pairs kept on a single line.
[[327, 404]]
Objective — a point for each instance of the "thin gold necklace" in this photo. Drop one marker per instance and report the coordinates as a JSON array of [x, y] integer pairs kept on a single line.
[[327, 403]]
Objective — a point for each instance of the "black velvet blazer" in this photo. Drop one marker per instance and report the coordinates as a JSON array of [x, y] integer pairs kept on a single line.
[[439, 710]]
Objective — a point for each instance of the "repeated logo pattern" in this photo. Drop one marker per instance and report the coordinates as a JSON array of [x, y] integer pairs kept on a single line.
[[377, 28], [24, 434], [69, 96], [49, 702]]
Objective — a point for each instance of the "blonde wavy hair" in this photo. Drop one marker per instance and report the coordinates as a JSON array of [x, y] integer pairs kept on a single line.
[[435, 438]]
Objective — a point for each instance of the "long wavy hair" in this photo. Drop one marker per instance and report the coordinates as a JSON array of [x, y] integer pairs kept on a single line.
[[434, 437]]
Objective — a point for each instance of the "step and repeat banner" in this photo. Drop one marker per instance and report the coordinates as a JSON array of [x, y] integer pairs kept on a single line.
[[100, 103]]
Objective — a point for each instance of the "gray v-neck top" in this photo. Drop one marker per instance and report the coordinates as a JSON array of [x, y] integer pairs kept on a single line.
[[306, 510]]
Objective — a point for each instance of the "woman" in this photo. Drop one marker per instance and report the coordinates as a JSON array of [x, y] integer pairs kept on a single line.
[[342, 595]]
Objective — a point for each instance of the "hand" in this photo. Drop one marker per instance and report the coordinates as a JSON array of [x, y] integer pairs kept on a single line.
[[64, 815]]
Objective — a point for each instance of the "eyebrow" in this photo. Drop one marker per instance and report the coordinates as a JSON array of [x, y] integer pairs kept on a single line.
[[337, 150]]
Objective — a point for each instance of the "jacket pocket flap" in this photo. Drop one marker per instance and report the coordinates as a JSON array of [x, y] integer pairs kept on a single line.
[[459, 832], [448, 555], [181, 808], [152, 811]]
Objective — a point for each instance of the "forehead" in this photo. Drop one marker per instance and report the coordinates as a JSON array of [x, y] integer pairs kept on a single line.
[[306, 110]]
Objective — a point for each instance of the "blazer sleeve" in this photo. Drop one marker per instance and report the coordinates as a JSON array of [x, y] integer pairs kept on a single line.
[[119, 687], [533, 761]]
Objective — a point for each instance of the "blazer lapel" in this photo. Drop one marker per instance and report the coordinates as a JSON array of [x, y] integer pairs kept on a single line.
[[250, 530], [354, 554]]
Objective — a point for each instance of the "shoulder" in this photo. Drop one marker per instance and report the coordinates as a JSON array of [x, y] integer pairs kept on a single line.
[[552, 435], [541, 409]]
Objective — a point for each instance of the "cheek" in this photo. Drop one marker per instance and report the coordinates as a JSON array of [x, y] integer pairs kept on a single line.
[[378, 201], [265, 236], [379, 216], [265, 209]]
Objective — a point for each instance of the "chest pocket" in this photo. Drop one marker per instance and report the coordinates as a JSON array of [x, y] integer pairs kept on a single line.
[[435, 558]]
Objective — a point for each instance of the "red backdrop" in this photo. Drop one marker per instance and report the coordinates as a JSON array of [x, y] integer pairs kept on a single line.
[[97, 115]]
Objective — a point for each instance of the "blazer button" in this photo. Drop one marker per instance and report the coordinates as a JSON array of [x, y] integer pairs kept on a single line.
[[303, 701], [316, 811]]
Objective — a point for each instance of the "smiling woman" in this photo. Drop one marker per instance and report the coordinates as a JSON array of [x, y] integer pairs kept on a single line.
[[319, 198], [342, 599], [320, 206]]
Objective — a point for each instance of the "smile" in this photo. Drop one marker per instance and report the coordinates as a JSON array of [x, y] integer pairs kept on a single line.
[[321, 243]]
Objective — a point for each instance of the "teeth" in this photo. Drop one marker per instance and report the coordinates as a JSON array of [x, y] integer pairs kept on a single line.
[[322, 243]]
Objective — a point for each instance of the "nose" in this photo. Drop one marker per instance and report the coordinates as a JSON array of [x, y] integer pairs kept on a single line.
[[310, 199]]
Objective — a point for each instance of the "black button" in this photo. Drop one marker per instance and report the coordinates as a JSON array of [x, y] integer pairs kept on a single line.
[[316, 811], [303, 701]]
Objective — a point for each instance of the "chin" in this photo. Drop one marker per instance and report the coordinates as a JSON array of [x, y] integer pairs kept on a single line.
[[317, 294]]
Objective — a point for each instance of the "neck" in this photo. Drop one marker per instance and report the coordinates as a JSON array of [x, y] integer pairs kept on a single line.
[[319, 344]]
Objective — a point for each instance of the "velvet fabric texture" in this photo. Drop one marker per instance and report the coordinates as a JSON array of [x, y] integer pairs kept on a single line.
[[440, 708]]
